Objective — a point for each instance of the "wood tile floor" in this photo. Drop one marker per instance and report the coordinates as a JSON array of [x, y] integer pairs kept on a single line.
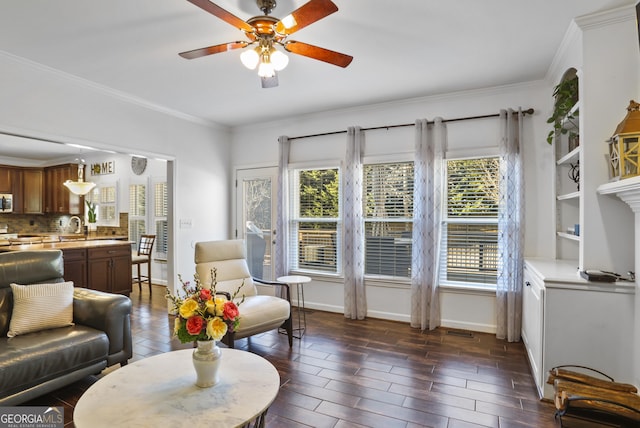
[[371, 373]]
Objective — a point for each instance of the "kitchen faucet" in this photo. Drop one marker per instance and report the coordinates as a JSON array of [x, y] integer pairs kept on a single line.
[[75, 217]]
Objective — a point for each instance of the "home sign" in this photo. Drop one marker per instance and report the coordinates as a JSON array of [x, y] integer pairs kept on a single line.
[[101, 168]]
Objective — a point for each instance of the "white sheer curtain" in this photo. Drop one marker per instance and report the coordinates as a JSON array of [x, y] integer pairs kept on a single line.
[[282, 220], [355, 301], [510, 228], [430, 146]]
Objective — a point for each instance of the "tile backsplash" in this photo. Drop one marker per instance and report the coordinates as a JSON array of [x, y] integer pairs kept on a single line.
[[54, 223]]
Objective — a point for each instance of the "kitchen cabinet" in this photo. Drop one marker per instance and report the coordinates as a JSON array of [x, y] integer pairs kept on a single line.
[[75, 266], [6, 182], [59, 200], [109, 268], [32, 191], [568, 320]]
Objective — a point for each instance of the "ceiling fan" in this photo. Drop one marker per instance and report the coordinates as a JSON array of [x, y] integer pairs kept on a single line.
[[266, 32]]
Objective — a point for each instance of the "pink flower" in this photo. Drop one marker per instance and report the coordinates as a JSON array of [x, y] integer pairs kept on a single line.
[[194, 325], [230, 311]]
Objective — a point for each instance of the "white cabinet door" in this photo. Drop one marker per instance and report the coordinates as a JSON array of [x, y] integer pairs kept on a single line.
[[532, 325]]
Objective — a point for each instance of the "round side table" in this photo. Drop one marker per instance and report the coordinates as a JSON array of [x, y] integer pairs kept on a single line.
[[298, 281]]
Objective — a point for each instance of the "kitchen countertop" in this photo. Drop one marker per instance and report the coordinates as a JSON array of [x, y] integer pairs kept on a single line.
[[54, 237], [57, 245]]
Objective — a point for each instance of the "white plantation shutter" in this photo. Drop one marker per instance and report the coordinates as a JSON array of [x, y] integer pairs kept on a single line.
[[469, 248], [105, 196], [388, 218], [160, 211], [137, 211]]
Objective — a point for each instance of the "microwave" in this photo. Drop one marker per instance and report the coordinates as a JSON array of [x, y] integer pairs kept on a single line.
[[6, 203]]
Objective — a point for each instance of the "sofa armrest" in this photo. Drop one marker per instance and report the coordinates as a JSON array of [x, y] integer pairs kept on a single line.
[[109, 313]]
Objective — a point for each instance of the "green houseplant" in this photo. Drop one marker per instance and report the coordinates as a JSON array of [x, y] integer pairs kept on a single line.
[[566, 96], [91, 211]]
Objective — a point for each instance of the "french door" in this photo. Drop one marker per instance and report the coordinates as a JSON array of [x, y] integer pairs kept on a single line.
[[256, 199]]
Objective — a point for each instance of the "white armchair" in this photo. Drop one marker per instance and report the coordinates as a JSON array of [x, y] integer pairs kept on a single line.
[[258, 313]]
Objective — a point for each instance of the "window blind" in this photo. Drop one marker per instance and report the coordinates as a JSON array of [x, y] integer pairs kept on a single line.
[[388, 222], [314, 229], [469, 246]]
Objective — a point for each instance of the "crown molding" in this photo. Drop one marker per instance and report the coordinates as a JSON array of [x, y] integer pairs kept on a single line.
[[112, 93], [607, 17]]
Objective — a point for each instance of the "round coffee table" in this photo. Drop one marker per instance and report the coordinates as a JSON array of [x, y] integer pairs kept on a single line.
[[161, 391]]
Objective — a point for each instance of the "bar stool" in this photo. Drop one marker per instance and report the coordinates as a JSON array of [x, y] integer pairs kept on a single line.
[[143, 256]]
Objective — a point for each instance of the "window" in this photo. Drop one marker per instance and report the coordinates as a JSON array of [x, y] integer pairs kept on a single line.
[[105, 196], [470, 230], [315, 220], [137, 211], [160, 212], [388, 218]]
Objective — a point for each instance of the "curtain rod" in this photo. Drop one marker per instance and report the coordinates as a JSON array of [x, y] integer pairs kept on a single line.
[[458, 119]]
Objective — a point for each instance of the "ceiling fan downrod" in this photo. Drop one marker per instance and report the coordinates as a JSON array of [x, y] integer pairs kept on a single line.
[[266, 6]]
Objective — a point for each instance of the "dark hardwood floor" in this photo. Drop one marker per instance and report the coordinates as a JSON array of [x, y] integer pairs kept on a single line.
[[371, 373]]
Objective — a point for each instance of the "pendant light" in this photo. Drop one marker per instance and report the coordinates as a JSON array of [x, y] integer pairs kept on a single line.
[[80, 187]]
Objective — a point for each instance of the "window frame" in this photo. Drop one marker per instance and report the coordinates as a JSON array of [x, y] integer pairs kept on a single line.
[[100, 220], [373, 220], [295, 220], [467, 220]]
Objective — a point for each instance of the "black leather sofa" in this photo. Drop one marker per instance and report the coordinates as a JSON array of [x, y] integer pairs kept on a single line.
[[39, 362]]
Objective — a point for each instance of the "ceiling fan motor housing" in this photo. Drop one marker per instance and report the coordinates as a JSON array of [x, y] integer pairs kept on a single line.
[[266, 6]]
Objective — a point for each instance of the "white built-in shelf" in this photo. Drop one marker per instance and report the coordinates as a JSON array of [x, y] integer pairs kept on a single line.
[[568, 236], [568, 196], [572, 156]]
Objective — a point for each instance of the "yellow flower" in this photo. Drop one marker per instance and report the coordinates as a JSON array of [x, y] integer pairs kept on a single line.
[[176, 325], [216, 328], [220, 301], [211, 306], [188, 308]]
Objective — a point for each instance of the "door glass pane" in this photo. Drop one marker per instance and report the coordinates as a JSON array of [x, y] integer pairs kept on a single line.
[[257, 222]]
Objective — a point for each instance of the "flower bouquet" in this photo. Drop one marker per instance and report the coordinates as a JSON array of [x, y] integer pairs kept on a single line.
[[204, 314]]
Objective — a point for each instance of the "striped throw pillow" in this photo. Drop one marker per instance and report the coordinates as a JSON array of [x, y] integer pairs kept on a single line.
[[41, 306]]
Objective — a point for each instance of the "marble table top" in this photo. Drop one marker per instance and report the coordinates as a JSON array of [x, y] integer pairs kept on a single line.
[[161, 391]]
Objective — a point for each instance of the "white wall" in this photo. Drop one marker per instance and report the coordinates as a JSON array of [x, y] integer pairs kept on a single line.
[[256, 145], [43, 103]]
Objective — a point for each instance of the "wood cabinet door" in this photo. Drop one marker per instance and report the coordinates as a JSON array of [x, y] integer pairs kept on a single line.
[[122, 275], [5, 180], [99, 274], [59, 199], [75, 266], [32, 191]]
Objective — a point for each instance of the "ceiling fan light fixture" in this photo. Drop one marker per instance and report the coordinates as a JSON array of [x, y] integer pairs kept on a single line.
[[266, 69], [279, 60], [250, 58]]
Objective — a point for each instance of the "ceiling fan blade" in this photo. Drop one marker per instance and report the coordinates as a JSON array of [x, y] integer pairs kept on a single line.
[[228, 17], [305, 15], [321, 54], [197, 53]]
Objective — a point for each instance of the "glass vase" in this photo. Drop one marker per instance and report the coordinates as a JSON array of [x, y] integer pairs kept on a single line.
[[206, 361]]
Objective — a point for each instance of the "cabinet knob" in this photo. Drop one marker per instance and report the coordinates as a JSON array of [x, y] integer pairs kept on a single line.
[[527, 283]]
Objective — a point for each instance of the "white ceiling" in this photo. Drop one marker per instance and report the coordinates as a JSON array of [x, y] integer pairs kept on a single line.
[[401, 49]]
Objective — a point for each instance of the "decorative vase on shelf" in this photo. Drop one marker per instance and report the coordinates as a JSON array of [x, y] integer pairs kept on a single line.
[[206, 361]]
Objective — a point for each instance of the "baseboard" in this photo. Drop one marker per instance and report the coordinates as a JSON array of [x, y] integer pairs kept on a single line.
[[481, 328]]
